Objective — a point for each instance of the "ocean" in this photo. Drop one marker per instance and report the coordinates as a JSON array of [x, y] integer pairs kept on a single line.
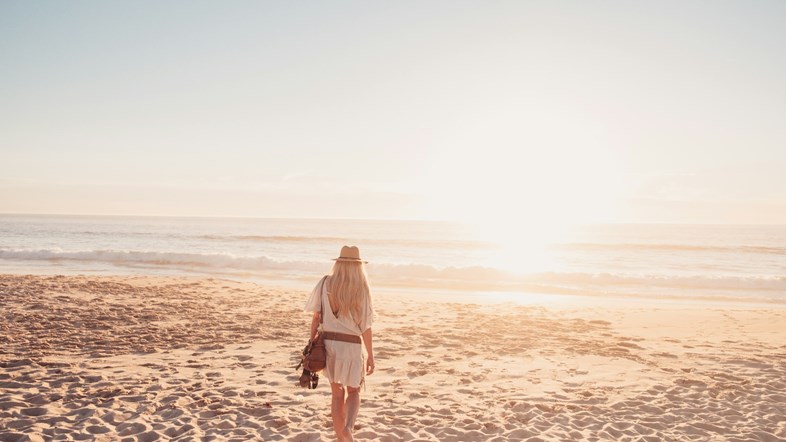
[[720, 262]]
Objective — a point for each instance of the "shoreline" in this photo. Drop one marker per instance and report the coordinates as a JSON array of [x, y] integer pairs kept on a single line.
[[440, 294], [152, 357]]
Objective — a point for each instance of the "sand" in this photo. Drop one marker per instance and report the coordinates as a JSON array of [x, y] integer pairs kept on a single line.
[[153, 358]]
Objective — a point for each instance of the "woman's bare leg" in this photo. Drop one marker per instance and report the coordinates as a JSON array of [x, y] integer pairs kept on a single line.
[[351, 409], [337, 411]]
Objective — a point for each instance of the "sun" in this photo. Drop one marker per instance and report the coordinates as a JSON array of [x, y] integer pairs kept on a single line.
[[523, 203]]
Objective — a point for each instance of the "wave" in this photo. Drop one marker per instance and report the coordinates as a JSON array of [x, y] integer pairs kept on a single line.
[[654, 281], [347, 240], [167, 259], [292, 239], [583, 279], [412, 275], [273, 238], [774, 250]]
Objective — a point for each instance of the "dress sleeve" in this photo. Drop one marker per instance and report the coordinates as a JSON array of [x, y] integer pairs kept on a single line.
[[314, 303], [368, 316]]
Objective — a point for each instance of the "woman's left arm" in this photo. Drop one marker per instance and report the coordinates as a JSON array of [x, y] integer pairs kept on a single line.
[[369, 350]]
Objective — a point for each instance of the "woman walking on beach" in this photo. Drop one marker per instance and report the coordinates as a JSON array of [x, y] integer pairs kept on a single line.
[[345, 299]]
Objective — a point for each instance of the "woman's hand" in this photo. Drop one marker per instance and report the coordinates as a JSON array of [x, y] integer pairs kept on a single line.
[[370, 365]]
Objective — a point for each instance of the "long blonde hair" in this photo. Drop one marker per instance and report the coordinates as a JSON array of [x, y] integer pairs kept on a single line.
[[349, 286]]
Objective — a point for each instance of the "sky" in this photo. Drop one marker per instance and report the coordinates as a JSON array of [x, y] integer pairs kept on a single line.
[[520, 113]]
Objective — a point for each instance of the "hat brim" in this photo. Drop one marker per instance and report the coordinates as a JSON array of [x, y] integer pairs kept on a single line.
[[350, 260]]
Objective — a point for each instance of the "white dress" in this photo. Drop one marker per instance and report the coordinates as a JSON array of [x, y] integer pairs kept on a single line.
[[345, 360]]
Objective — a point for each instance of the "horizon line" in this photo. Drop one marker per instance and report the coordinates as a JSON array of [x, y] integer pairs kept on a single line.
[[94, 215]]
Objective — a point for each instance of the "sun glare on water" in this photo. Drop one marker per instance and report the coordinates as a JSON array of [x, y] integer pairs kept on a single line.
[[520, 248]]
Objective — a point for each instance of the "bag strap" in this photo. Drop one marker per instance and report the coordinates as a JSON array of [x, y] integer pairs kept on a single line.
[[321, 306]]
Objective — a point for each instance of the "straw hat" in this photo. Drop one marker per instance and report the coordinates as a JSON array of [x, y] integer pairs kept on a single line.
[[350, 254]]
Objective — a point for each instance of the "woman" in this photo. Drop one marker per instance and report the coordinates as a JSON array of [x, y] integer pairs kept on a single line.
[[341, 302]]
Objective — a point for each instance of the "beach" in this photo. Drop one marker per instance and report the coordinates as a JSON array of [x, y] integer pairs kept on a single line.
[[143, 358], [571, 217]]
